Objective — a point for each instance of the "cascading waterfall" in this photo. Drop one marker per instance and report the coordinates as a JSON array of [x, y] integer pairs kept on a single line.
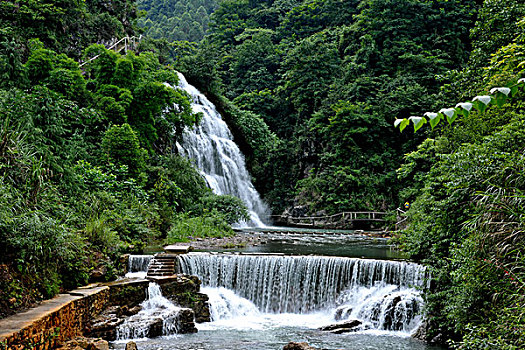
[[138, 265], [158, 316], [382, 294], [211, 146]]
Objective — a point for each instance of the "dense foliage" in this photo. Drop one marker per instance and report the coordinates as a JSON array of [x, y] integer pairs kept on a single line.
[[310, 89], [88, 167], [328, 78], [467, 220], [176, 20]]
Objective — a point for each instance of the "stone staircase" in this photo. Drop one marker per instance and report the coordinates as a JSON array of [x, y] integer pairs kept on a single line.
[[164, 264]]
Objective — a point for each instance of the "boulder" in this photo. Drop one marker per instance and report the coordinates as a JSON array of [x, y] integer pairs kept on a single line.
[[98, 345], [131, 346], [83, 343], [105, 325], [185, 323], [298, 346]]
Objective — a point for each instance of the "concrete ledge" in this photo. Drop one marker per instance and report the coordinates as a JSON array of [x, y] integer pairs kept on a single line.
[[178, 249]]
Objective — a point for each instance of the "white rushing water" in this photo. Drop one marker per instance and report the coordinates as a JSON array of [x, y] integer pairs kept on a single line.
[[138, 266], [311, 291], [158, 316], [216, 155]]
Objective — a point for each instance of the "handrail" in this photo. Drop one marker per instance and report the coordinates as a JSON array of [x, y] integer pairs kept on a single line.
[[372, 215], [126, 39]]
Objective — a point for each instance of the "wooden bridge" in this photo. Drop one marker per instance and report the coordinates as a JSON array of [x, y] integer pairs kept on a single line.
[[344, 220]]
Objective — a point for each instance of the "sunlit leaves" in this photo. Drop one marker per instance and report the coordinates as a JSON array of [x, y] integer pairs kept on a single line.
[[498, 96], [481, 103], [433, 118], [418, 122], [501, 94], [402, 123], [450, 113]]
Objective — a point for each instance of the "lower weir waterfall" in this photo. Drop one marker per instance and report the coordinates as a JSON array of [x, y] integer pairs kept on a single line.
[[211, 146], [158, 316], [383, 295]]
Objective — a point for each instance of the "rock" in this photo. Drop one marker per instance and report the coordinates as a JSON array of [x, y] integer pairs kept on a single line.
[[105, 325], [296, 211], [83, 343], [133, 311], [98, 345], [421, 331], [342, 313], [131, 346], [343, 327], [186, 324], [298, 346], [98, 274], [123, 264]]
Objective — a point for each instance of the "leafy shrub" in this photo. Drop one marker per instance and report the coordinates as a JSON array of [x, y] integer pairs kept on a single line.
[[185, 228], [232, 209]]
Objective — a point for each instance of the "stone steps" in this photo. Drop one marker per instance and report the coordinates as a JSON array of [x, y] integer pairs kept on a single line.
[[162, 265]]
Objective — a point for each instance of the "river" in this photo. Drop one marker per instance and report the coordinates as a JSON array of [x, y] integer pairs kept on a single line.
[[266, 296]]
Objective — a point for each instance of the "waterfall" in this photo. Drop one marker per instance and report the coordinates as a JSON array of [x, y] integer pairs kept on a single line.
[[138, 265], [383, 294], [158, 316], [211, 146]]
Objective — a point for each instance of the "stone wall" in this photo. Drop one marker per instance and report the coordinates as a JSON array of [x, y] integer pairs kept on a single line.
[[70, 315], [54, 321]]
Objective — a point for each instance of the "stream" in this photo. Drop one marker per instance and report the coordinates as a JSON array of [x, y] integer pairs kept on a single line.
[[266, 296]]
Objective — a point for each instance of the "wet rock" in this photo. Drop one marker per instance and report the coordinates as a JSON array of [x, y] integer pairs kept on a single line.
[[83, 343], [184, 291], [186, 323], [132, 311], [105, 325], [421, 331], [344, 327], [298, 346], [390, 322], [342, 313], [98, 345], [131, 346]]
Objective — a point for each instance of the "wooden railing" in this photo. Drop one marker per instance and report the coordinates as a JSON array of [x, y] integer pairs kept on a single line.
[[126, 43], [371, 216]]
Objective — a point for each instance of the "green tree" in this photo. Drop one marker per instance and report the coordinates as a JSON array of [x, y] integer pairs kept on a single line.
[[121, 147]]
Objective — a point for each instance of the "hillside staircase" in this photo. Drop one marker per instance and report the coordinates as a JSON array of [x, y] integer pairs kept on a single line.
[[124, 44]]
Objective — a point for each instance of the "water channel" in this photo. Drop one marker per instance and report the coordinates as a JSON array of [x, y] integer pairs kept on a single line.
[[328, 277]]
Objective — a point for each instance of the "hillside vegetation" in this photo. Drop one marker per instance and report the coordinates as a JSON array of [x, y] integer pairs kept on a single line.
[[88, 167]]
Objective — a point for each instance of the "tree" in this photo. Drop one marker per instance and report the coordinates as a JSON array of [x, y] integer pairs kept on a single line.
[[121, 147]]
